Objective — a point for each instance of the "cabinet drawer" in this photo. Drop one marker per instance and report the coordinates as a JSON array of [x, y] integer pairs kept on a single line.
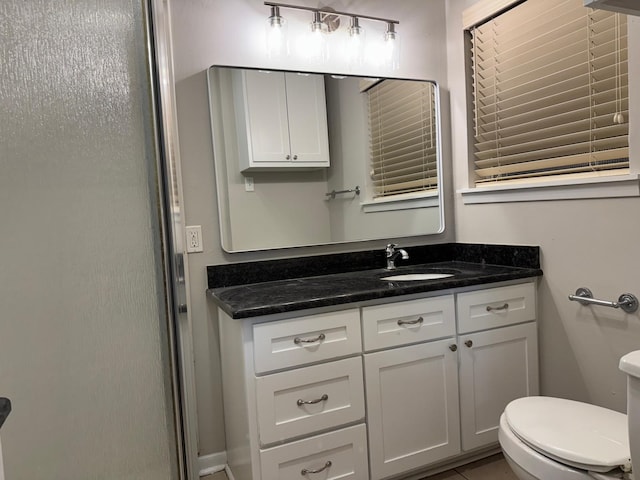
[[335, 390], [340, 455], [304, 340], [496, 307], [407, 322]]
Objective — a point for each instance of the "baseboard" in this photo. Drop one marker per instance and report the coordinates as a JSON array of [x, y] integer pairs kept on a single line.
[[229, 473], [215, 462]]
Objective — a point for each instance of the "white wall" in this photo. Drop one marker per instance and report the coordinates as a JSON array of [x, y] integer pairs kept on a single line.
[[590, 243], [230, 33]]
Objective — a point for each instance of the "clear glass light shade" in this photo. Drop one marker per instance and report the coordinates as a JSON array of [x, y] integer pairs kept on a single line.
[[276, 39], [391, 49], [355, 43], [316, 45]]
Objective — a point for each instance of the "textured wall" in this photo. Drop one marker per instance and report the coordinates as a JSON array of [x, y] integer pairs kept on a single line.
[[82, 347]]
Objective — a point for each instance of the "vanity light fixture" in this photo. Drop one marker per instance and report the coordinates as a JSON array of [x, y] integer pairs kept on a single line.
[[317, 46], [276, 34], [391, 47], [326, 20], [355, 42]]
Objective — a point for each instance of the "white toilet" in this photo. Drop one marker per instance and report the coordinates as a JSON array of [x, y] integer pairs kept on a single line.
[[546, 438]]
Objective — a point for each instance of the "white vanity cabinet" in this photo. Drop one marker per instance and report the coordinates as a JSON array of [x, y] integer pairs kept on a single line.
[[1, 464], [498, 357], [379, 390], [412, 390], [293, 395], [281, 120]]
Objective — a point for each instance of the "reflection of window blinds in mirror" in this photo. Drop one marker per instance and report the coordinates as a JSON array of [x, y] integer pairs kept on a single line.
[[403, 135], [549, 83]]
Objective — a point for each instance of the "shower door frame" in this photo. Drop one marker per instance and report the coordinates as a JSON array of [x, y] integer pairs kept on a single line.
[[160, 66]]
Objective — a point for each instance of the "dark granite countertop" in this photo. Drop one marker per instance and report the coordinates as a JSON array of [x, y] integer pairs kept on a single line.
[[5, 409], [286, 295]]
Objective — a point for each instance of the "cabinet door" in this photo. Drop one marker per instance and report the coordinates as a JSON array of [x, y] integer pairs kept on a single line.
[[412, 401], [496, 366], [307, 108], [266, 117]]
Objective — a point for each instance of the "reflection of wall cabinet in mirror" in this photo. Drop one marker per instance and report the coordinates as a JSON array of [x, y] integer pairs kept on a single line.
[[284, 118]]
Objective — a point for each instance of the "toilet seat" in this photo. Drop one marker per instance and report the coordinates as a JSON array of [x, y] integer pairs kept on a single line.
[[576, 434]]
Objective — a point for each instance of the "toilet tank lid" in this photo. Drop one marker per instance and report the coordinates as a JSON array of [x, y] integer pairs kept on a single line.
[[630, 363], [577, 432]]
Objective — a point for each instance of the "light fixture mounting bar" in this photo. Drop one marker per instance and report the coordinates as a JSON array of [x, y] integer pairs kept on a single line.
[[332, 12]]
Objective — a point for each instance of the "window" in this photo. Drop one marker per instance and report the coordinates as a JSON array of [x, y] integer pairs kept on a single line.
[[403, 137], [550, 93]]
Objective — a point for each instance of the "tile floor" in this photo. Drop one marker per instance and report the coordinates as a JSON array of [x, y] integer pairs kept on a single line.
[[491, 468], [215, 476]]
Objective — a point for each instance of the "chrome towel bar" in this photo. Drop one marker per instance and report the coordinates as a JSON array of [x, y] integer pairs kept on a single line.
[[626, 301], [333, 193]]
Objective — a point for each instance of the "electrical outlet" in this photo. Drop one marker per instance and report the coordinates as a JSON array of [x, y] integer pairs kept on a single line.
[[248, 184], [194, 238]]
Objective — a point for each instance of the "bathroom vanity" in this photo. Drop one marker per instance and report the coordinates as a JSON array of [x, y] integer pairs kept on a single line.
[[5, 409], [376, 379]]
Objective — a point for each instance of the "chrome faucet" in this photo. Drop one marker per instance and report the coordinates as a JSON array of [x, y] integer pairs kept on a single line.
[[392, 255]]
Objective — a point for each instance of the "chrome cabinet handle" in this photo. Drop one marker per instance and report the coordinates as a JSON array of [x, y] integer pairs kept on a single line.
[[299, 340], [295, 157], [503, 307], [411, 322], [469, 343], [288, 157], [453, 347], [323, 398], [306, 471]]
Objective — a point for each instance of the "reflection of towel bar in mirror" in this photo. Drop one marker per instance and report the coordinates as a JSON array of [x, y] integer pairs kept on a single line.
[[333, 193]]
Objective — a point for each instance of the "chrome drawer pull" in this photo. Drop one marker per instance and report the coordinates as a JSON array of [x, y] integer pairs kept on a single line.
[[411, 322], [299, 340], [503, 307], [323, 398], [306, 471], [469, 343]]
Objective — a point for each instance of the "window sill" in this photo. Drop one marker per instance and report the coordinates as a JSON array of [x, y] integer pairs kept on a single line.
[[401, 202], [599, 187]]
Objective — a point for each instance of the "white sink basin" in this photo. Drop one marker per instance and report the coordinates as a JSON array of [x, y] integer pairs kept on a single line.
[[412, 277]]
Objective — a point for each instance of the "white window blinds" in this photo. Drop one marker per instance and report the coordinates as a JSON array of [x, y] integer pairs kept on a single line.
[[403, 137], [550, 92]]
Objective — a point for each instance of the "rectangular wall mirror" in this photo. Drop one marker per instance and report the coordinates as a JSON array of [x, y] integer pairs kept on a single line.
[[310, 159]]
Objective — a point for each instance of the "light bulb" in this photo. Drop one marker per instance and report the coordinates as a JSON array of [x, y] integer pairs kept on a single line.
[[316, 45], [391, 50], [355, 43], [276, 35]]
